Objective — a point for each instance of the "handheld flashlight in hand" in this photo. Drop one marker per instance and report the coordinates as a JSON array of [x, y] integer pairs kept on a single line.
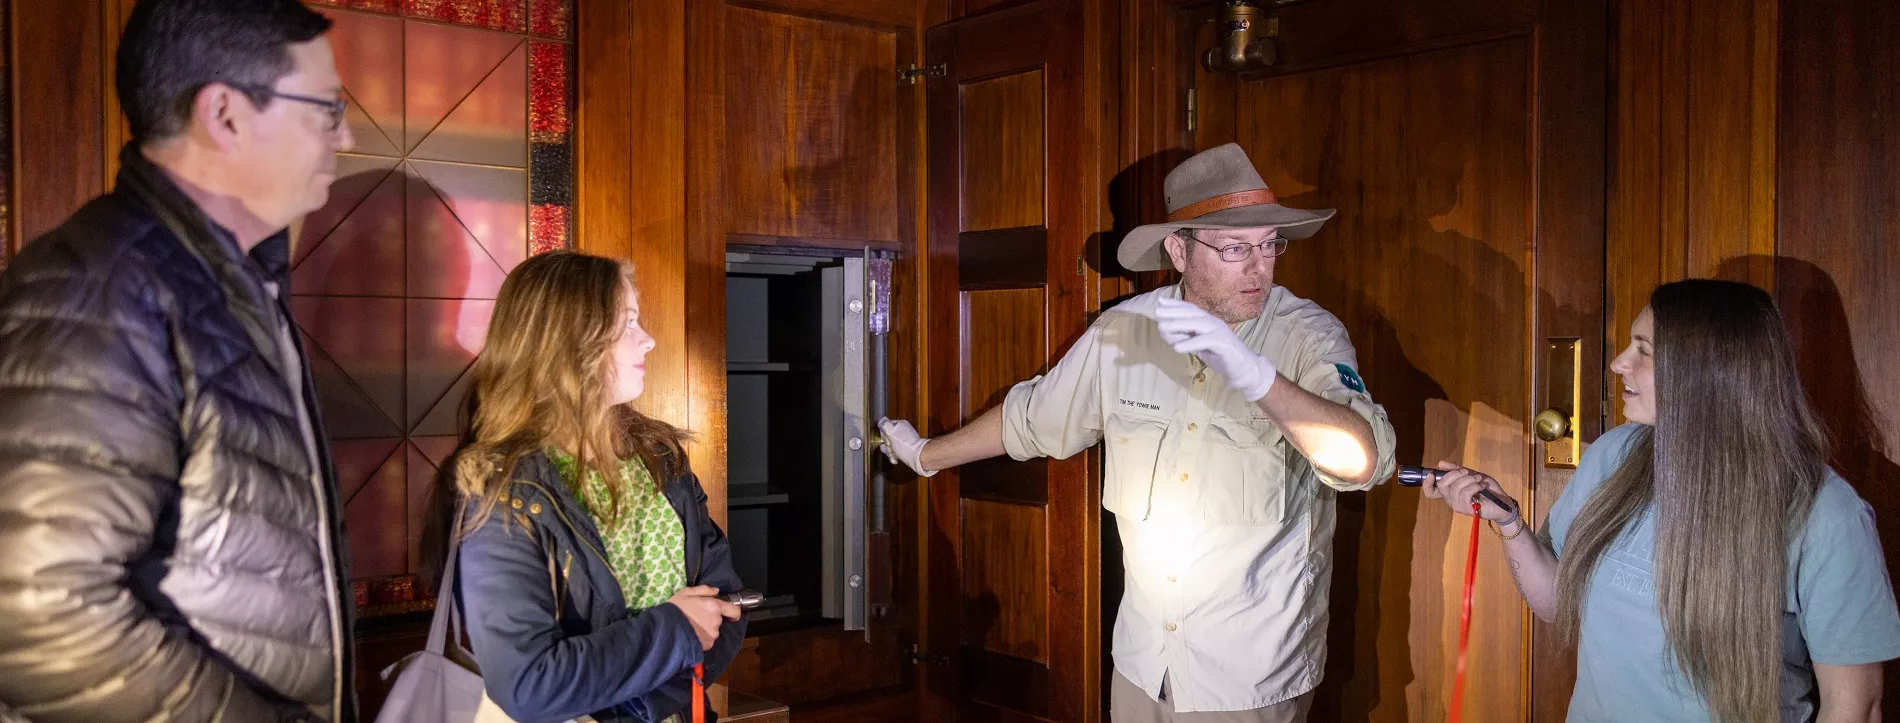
[[1413, 476], [745, 599]]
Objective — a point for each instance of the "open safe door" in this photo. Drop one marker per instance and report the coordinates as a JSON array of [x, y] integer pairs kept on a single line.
[[805, 336]]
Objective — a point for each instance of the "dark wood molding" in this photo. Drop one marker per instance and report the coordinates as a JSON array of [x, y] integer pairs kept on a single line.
[[1011, 258], [1002, 479]]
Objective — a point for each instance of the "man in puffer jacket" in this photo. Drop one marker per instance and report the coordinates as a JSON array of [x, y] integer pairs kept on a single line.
[[171, 544]]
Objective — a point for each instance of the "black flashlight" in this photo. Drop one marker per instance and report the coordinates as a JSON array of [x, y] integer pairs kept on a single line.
[[1413, 476]]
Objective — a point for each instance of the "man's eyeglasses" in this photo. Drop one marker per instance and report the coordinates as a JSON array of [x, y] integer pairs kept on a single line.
[[333, 108], [1235, 253]]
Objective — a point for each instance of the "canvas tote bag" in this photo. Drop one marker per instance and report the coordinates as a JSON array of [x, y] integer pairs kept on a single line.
[[442, 684], [431, 687]]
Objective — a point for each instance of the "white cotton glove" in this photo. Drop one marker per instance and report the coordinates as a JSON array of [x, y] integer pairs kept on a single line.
[[901, 444], [1190, 330]]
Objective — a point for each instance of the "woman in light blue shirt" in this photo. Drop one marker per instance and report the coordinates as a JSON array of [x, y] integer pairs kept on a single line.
[[1704, 558]]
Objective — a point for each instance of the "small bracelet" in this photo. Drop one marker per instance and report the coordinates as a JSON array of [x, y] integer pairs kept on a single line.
[[1499, 529]]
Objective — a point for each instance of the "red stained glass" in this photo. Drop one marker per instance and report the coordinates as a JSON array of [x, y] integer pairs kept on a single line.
[[379, 6], [547, 228], [547, 103], [510, 15], [552, 18]]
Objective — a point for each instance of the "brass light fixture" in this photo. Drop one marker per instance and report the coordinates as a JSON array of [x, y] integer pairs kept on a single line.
[[1246, 39]]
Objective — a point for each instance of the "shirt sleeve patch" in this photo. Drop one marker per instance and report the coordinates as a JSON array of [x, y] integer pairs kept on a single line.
[[1350, 378]]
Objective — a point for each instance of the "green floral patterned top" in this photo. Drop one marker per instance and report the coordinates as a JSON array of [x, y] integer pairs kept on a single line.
[[647, 548]]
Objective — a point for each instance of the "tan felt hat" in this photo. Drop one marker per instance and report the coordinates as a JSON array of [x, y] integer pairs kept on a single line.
[[1217, 188]]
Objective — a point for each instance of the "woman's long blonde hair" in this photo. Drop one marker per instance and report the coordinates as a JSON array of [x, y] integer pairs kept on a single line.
[[542, 379], [1732, 466]]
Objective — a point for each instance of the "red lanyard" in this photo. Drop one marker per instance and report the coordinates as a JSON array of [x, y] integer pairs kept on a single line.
[[1464, 618], [699, 693]]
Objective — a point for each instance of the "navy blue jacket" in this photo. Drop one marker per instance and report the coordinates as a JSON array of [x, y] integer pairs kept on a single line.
[[549, 626]]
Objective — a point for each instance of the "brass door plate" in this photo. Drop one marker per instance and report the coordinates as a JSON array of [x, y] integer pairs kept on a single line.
[[1562, 379]]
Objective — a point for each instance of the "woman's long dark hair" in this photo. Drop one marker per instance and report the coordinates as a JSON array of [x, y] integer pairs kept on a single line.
[[1732, 464]]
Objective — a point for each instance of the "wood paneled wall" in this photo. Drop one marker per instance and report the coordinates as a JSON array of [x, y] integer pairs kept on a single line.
[[1693, 155], [709, 123], [8, 233], [60, 86], [631, 160], [1837, 191]]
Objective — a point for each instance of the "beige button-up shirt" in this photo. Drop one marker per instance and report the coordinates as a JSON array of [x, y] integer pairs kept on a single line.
[[1226, 528]]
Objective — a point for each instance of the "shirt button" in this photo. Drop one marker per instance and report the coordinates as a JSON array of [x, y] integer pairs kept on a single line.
[[1171, 578], [1184, 477], [1192, 426], [1170, 627]]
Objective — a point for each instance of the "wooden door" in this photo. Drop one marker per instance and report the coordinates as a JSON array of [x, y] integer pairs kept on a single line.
[[1013, 551], [1463, 144]]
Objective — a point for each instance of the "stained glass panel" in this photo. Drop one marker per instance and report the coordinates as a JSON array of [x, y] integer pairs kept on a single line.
[[463, 167], [509, 15], [551, 178], [553, 18]]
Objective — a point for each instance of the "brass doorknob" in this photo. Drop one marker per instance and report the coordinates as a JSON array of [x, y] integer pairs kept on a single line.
[[1552, 425]]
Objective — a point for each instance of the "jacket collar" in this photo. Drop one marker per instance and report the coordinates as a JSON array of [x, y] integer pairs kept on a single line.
[[241, 277]]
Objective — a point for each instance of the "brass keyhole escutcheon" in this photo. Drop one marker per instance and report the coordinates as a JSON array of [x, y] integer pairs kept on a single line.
[[1552, 425]]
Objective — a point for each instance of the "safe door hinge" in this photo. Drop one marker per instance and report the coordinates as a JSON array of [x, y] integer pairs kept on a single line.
[[909, 74]]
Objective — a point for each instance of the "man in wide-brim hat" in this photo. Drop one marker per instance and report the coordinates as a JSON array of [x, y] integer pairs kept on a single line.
[[1232, 411]]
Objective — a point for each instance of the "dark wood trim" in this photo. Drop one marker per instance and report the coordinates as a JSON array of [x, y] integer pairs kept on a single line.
[[940, 352], [751, 239], [863, 13], [878, 707], [1077, 215], [1570, 220], [1002, 479], [1010, 258]]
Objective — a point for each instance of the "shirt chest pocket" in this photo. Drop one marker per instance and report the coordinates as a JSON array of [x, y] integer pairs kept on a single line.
[[1242, 475], [1133, 453]]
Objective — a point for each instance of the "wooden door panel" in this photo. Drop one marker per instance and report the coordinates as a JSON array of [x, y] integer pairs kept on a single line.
[[1003, 152], [1011, 542], [1005, 608], [1005, 341], [1004, 335], [813, 147]]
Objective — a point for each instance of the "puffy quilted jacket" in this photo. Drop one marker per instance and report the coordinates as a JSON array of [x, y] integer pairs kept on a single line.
[[167, 550]]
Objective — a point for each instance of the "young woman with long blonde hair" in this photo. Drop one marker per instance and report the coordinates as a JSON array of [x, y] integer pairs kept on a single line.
[[1707, 562], [589, 571]]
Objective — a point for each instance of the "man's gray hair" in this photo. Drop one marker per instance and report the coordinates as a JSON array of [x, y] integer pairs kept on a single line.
[[1190, 237]]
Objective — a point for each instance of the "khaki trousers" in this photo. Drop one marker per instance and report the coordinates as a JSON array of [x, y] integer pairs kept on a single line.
[[1129, 704]]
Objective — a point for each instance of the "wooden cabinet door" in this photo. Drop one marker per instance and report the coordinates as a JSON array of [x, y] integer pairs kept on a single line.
[[1463, 144], [1013, 551]]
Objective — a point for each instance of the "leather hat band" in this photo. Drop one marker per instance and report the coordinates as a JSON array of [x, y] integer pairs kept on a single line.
[[1223, 202]]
